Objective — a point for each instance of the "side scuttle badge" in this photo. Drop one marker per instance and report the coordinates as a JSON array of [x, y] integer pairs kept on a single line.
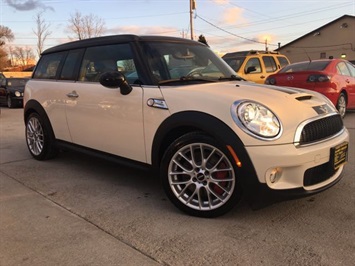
[[157, 103]]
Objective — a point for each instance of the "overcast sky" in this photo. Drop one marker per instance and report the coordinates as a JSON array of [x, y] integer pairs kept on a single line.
[[228, 25]]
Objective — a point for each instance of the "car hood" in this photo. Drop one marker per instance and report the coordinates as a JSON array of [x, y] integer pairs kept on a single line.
[[292, 106]]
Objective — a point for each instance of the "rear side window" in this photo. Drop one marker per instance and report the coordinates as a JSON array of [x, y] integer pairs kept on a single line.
[[342, 69], [306, 66], [48, 66], [270, 64], [283, 61]]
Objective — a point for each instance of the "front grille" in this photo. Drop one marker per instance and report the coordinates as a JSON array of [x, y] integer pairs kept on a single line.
[[321, 129], [318, 174]]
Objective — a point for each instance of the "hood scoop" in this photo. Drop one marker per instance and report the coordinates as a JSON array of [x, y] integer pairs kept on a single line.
[[304, 98]]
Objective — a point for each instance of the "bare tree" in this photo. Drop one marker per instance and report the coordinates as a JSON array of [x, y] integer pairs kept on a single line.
[[84, 27], [23, 56], [5, 34], [42, 32], [11, 55], [3, 59]]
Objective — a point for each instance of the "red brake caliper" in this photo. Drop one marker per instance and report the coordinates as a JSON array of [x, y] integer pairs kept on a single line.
[[220, 175]]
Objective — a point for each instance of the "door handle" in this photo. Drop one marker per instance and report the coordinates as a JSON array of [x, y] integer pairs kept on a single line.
[[72, 94]]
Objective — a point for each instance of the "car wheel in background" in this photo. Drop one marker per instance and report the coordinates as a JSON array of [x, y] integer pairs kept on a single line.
[[39, 138], [9, 102], [199, 177], [341, 104]]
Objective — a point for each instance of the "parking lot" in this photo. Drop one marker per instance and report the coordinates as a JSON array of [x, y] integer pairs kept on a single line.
[[80, 210]]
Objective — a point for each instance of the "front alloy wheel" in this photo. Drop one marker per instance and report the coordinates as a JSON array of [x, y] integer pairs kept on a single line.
[[200, 178]]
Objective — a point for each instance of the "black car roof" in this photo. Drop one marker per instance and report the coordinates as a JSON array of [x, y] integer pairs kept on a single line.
[[111, 40]]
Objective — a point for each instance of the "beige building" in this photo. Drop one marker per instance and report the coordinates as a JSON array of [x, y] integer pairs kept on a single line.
[[333, 40]]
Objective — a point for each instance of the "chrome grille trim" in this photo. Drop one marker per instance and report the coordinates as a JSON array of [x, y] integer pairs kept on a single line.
[[317, 130]]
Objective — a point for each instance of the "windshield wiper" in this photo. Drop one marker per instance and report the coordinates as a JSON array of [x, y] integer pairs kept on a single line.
[[186, 79], [232, 77]]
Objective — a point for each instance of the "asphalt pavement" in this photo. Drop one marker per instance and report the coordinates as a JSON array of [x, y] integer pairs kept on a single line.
[[80, 210]]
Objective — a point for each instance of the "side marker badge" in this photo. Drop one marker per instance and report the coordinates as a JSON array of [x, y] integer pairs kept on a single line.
[[157, 103]]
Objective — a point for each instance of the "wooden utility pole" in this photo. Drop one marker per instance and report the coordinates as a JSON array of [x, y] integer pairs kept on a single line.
[[192, 7]]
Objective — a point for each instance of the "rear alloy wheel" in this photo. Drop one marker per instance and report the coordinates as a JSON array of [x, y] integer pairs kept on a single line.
[[39, 138], [341, 105], [198, 176]]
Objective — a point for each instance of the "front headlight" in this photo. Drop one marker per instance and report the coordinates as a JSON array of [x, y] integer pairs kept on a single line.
[[256, 119], [17, 93]]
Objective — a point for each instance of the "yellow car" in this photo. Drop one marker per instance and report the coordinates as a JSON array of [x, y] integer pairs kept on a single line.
[[256, 65]]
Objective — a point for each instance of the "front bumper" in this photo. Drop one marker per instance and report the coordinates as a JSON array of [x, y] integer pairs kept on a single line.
[[17, 100], [287, 171]]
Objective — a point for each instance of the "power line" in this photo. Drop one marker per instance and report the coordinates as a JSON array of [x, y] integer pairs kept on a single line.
[[251, 40], [231, 33]]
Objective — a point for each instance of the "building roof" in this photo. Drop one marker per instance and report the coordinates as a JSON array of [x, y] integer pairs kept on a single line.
[[315, 31]]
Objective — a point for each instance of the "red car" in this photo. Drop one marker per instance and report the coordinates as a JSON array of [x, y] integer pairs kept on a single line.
[[335, 78]]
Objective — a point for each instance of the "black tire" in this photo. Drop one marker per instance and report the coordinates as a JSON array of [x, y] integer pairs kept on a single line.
[[199, 177], [39, 138], [341, 104], [9, 102]]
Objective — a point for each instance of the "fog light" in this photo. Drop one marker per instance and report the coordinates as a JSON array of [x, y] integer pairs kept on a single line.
[[275, 175]]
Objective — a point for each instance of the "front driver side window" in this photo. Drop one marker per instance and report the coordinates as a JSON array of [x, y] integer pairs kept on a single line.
[[101, 59], [253, 66]]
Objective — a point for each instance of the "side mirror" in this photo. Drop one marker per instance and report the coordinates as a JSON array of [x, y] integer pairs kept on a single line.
[[115, 79], [250, 69]]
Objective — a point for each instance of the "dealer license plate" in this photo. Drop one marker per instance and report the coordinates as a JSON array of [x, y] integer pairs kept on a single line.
[[339, 155]]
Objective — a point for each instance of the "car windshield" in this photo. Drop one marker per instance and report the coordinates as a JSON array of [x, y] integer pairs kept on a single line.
[[305, 66], [16, 82], [174, 62], [235, 62]]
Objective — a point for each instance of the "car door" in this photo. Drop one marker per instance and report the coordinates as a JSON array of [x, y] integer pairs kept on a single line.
[[50, 92], [101, 118], [253, 70]]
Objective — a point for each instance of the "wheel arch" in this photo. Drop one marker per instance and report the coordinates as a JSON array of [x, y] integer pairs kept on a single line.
[[183, 122], [33, 106], [345, 93], [257, 194]]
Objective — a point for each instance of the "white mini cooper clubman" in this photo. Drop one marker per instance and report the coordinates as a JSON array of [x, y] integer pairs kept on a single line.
[[174, 106]]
